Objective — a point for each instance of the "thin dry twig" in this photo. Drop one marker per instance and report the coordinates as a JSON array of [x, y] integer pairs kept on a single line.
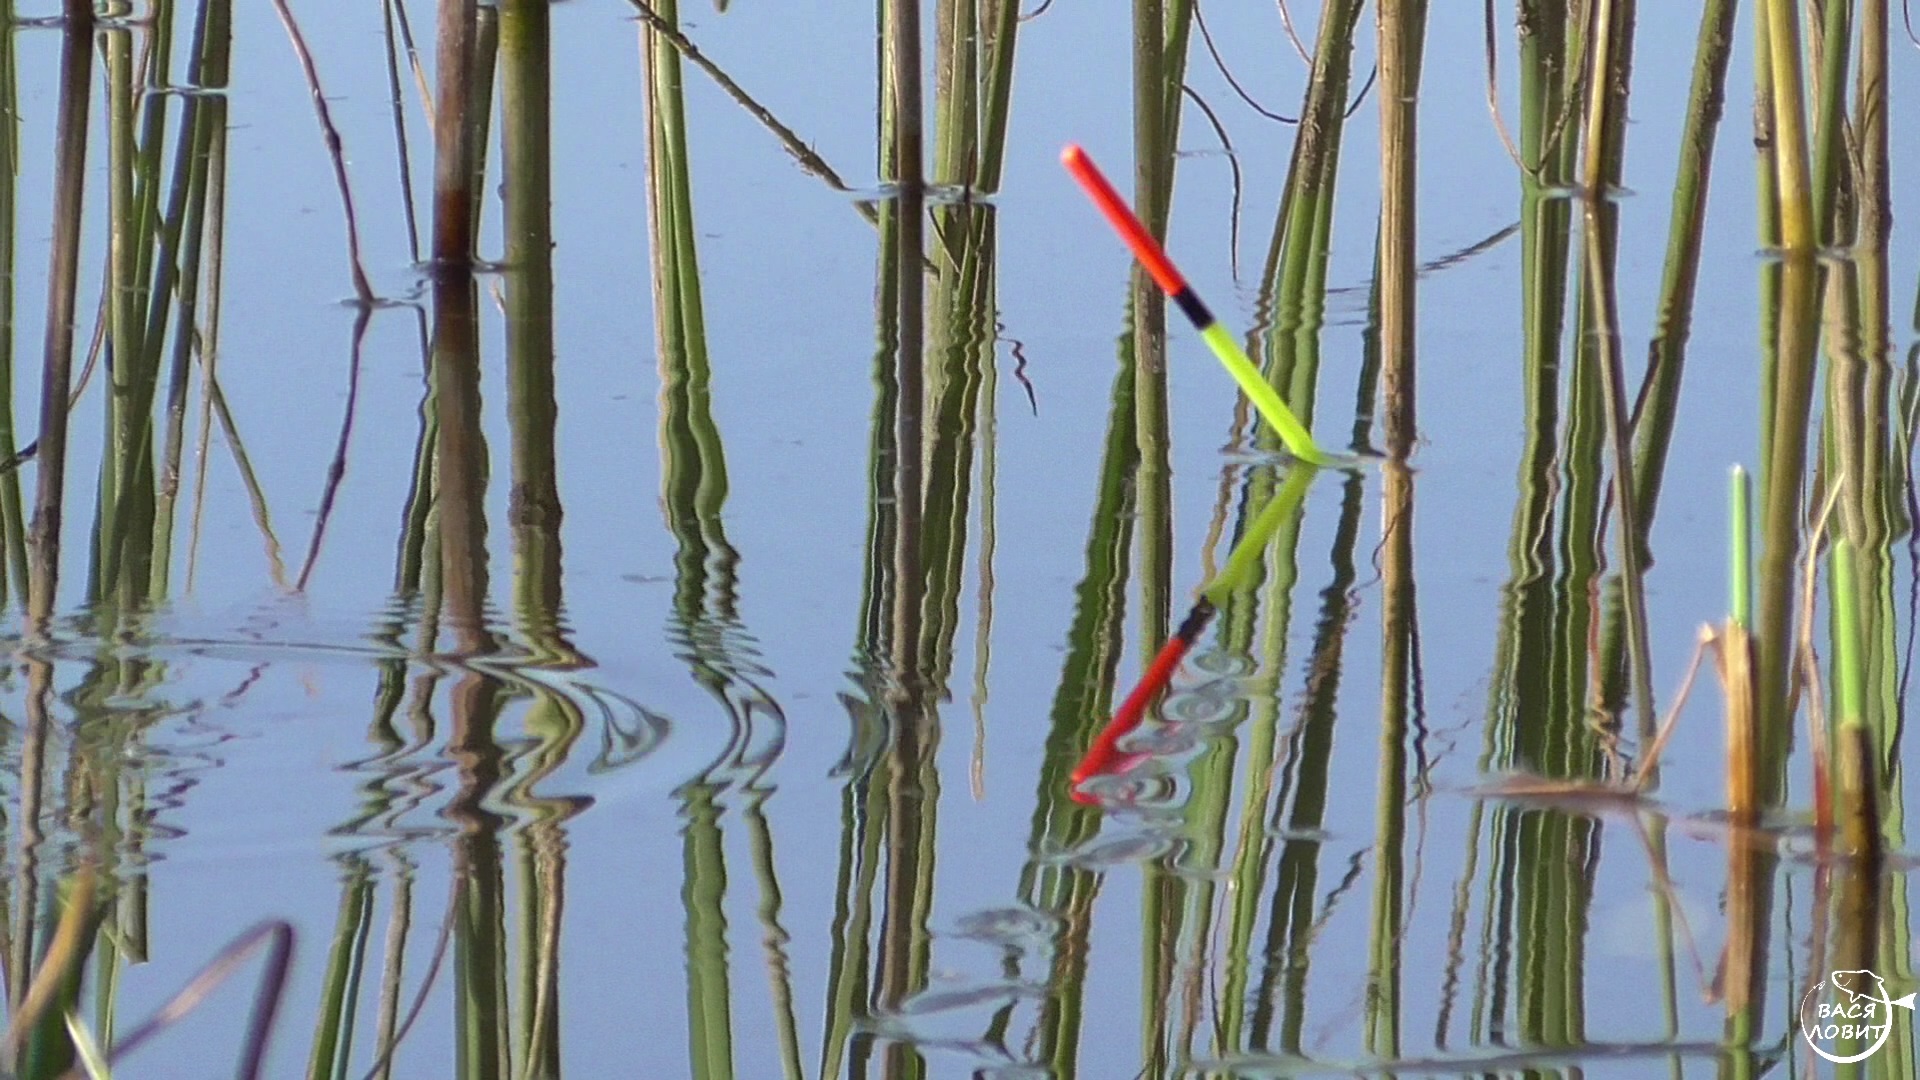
[[337, 469], [1286, 20], [1807, 660], [1492, 47], [395, 22], [1650, 760], [413, 62], [362, 289], [1567, 107], [792, 143]]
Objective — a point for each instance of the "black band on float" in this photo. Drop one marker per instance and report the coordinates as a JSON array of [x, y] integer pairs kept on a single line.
[[1195, 311]]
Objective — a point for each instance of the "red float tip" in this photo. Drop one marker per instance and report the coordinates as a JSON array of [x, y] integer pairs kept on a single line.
[[1144, 247]]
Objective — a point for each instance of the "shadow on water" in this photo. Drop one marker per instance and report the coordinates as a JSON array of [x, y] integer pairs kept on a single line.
[[1226, 894]]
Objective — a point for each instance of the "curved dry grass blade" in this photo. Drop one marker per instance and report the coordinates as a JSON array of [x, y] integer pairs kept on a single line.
[[1359, 99], [277, 936], [1219, 62], [1233, 163], [1286, 20], [1583, 15], [362, 289], [32, 449], [95, 346], [206, 340], [1807, 663], [1492, 47]]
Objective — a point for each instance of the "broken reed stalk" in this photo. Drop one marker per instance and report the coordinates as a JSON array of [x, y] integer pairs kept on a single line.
[[1854, 787], [1657, 413], [1733, 663], [1733, 654]]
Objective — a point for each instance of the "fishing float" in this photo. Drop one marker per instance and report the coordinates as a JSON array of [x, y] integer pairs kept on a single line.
[[1294, 434], [1104, 757]]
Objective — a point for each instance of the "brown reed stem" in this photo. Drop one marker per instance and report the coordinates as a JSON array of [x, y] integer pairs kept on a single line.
[[63, 266], [452, 152]]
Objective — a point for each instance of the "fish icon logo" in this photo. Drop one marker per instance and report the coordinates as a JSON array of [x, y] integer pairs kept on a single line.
[[1846, 1011]]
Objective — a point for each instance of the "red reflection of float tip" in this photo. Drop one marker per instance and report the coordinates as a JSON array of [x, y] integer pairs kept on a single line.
[[1103, 757]]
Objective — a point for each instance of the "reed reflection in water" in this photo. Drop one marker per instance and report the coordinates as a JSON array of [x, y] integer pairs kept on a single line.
[[1228, 902]]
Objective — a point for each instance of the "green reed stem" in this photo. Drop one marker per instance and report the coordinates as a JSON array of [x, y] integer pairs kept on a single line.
[[1740, 547], [709, 993], [532, 403], [1798, 227], [1402, 26], [1849, 682], [902, 154], [186, 229], [1655, 418], [418, 536], [1156, 69], [1249, 553], [125, 239], [341, 983], [1294, 283], [1830, 165]]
